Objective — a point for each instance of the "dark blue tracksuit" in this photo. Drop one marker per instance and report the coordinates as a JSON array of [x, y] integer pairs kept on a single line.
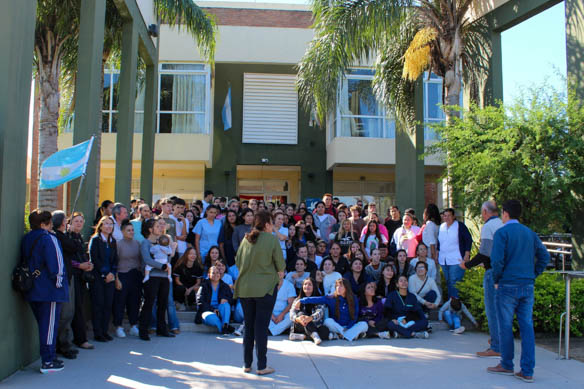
[[50, 288]]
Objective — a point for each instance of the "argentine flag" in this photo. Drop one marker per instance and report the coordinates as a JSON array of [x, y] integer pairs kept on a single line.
[[65, 165], [226, 112]]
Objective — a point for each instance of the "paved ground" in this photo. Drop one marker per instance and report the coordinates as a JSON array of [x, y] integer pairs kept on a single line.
[[203, 360]]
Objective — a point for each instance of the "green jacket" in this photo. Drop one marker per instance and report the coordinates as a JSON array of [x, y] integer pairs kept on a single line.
[[258, 266]]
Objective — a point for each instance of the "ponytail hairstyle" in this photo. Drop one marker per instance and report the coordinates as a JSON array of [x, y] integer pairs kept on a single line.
[[348, 296], [261, 218]]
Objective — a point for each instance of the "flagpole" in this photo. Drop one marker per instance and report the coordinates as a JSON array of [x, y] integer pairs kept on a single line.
[[78, 193], [82, 176]]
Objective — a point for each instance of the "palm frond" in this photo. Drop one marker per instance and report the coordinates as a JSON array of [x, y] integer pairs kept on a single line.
[[199, 24], [346, 33], [395, 91]]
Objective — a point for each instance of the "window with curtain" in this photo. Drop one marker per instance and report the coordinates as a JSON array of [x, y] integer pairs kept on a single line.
[[433, 112], [359, 113], [184, 99], [432, 101]]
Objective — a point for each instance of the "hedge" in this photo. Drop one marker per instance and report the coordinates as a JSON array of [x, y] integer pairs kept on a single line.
[[549, 304]]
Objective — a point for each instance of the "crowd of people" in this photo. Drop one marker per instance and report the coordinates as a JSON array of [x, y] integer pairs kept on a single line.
[[346, 271]]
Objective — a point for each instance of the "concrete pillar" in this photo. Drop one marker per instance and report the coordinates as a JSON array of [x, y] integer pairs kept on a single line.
[[149, 132], [17, 23], [88, 104], [409, 168], [575, 61], [125, 135]]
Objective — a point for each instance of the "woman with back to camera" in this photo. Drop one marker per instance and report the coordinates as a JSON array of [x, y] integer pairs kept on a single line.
[[261, 265]]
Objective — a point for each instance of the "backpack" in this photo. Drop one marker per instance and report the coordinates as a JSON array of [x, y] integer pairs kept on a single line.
[[22, 277]]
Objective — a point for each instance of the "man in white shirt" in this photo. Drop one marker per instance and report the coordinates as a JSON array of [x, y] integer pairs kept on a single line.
[[454, 244], [280, 231], [119, 214], [207, 199], [181, 225]]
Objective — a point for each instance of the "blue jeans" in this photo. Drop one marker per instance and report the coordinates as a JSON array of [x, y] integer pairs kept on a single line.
[[211, 319], [452, 319], [452, 274], [511, 301], [172, 318], [491, 310], [238, 313]]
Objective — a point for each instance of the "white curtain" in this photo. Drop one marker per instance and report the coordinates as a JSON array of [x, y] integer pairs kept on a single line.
[[188, 94]]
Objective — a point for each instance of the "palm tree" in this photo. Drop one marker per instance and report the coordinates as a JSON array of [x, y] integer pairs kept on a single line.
[[403, 38], [57, 30]]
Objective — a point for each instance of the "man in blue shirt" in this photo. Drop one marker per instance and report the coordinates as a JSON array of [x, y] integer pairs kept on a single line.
[[517, 258]]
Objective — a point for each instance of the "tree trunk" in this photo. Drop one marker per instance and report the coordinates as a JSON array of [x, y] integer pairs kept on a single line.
[[49, 70], [452, 88]]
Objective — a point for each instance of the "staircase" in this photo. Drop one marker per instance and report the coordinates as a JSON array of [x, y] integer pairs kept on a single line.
[[187, 323]]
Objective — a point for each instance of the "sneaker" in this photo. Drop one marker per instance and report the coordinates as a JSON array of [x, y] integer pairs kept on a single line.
[[134, 331], [239, 330], [120, 332], [459, 330], [50, 367], [316, 338], [499, 370], [180, 307], [383, 334], [421, 335], [488, 353], [362, 335], [524, 378], [294, 336], [333, 336], [266, 370], [108, 337], [395, 334]]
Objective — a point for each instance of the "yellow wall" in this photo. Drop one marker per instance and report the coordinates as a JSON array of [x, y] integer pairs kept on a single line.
[[360, 151], [179, 166]]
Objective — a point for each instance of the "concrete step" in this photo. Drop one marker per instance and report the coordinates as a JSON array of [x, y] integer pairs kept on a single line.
[[190, 326]]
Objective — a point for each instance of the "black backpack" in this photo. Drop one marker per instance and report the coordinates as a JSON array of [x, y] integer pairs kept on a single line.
[[22, 277]]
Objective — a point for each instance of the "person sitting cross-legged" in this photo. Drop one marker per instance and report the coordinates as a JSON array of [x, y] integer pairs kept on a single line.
[[343, 310], [404, 308], [307, 319], [214, 300]]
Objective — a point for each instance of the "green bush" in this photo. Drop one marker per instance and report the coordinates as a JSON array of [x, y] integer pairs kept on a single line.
[[549, 302]]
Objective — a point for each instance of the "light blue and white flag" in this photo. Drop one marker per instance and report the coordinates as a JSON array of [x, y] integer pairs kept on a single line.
[[226, 112], [65, 165]]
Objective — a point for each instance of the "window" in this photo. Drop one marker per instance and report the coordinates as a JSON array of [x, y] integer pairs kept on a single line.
[[359, 113], [111, 97], [432, 102], [270, 109], [184, 103]]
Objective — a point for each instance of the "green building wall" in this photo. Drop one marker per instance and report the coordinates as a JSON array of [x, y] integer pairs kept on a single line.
[[229, 151]]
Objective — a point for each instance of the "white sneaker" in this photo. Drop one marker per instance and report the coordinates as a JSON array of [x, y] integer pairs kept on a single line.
[[459, 330], [134, 331], [120, 332], [316, 338], [384, 335], [294, 336], [422, 335], [333, 336], [239, 330]]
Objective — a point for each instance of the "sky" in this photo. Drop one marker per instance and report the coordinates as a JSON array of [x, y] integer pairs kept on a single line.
[[535, 51]]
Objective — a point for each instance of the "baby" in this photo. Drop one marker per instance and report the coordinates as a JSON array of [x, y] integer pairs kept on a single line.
[[160, 252]]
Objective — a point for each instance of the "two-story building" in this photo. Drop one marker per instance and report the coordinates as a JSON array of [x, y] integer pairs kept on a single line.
[[274, 149]]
